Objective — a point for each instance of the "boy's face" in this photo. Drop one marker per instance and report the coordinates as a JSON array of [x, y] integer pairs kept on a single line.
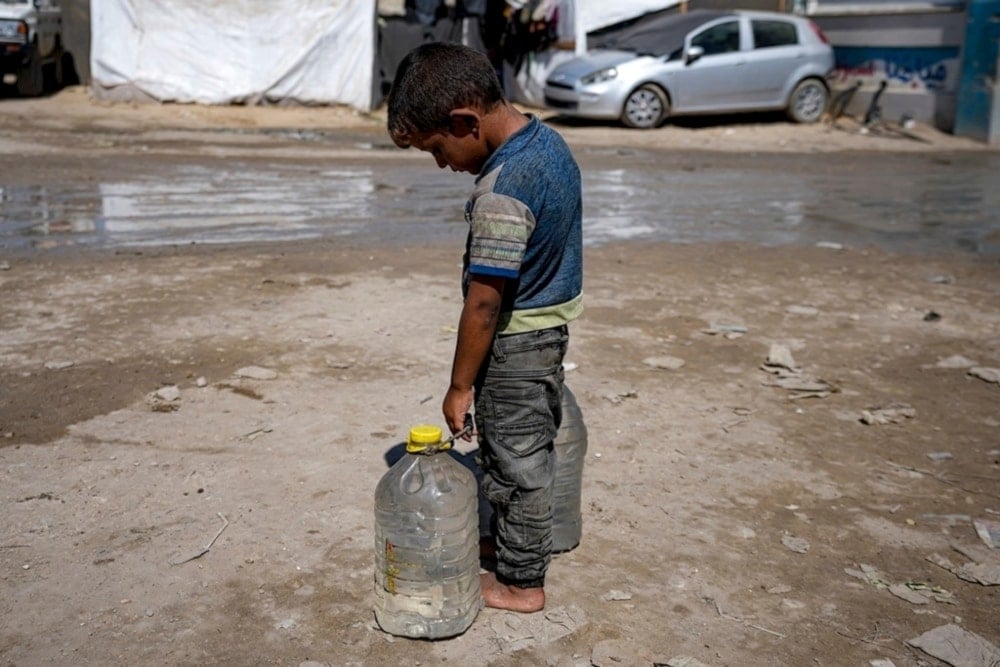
[[460, 147]]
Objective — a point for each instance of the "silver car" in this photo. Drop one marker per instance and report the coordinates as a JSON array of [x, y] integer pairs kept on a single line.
[[697, 62]]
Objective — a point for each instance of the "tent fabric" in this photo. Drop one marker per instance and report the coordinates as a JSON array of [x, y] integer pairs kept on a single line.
[[234, 51]]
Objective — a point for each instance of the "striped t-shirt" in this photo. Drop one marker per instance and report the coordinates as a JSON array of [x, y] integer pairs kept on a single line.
[[525, 225]]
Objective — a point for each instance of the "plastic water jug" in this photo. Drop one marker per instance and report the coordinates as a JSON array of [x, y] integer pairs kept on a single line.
[[426, 542], [571, 450]]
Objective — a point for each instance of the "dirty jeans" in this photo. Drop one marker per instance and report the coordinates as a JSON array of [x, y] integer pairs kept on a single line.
[[518, 412]]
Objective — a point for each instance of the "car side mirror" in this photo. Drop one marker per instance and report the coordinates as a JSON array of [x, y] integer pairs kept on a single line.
[[693, 54]]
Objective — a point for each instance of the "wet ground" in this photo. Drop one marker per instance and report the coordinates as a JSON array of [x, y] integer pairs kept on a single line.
[[374, 193]]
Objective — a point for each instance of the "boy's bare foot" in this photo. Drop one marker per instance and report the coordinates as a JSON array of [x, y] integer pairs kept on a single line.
[[511, 598]]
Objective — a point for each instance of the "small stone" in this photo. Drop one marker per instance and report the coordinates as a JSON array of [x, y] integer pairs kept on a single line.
[[955, 361], [256, 373], [781, 356], [986, 373], [802, 310], [201, 382], [684, 661], [890, 414], [796, 544], [616, 595], [665, 363], [168, 393], [59, 365]]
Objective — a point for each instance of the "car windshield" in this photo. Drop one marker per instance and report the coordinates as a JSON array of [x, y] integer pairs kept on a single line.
[[657, 34]]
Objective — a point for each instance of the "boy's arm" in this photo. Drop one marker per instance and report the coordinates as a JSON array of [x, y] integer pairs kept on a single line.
[[476, 328]]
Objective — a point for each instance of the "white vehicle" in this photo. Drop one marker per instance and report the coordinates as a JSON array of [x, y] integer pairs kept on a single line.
[[697, 62], [30, 41]]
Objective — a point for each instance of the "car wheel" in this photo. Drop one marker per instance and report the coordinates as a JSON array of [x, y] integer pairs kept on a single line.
[[646, 107], [31, 78], [55, 82], [808, 101]]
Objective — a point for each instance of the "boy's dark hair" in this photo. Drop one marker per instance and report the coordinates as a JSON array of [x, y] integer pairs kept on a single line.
[[434, 79]]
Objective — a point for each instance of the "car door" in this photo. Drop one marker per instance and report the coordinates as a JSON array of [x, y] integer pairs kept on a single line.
[[715, 79], [772, 60]]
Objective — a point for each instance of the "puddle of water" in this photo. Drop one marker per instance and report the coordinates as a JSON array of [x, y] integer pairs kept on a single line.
[[895, 202]]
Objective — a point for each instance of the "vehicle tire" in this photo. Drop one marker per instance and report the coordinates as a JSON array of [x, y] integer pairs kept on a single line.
[[645, 107], [55, 82], [31, 78], [808, 101]]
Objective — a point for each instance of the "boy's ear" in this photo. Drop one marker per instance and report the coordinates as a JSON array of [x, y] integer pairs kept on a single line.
[[464, 122]]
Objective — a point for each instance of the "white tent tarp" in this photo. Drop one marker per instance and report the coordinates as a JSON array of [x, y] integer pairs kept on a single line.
[[234, 51], [299, 51]]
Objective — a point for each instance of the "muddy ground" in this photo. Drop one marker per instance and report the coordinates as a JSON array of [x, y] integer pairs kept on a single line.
[[725, 518]]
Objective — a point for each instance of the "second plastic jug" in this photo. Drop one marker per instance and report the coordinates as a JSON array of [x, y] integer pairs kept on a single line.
[[426, 542], [571, 450]]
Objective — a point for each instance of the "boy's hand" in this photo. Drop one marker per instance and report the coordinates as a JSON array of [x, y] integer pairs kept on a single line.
[[457, 404]]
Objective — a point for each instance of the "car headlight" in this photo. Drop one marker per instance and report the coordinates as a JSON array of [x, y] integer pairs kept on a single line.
[[14, 31], [600, 76]]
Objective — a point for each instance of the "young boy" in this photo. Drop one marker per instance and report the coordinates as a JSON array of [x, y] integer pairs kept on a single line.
[[522, 283]]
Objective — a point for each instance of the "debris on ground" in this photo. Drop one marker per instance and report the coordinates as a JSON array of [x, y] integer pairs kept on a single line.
[[894, 413], [198, 553], [681, 661], [617, 397], [729, 331], [787, 375], [797, 544], [954, 361], [957, 647], [988, 531], [979, 570], [515, 632], [664, 363], [615, 595], [164, 399], [986, 373], [914, 592], [255, 373]]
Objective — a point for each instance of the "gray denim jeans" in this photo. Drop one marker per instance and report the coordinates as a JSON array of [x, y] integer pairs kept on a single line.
[[518, 412]]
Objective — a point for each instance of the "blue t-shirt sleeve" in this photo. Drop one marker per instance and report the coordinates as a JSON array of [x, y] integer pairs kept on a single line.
[[500, 227]]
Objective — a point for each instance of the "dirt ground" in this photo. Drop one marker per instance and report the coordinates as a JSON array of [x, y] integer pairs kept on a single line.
[[735, 512]]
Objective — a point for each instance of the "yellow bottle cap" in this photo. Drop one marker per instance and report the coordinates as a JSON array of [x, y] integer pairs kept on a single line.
[[422, 437]]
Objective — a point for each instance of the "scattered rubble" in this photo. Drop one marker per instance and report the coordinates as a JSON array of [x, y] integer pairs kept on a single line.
[[957, 647], [894, 413]]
